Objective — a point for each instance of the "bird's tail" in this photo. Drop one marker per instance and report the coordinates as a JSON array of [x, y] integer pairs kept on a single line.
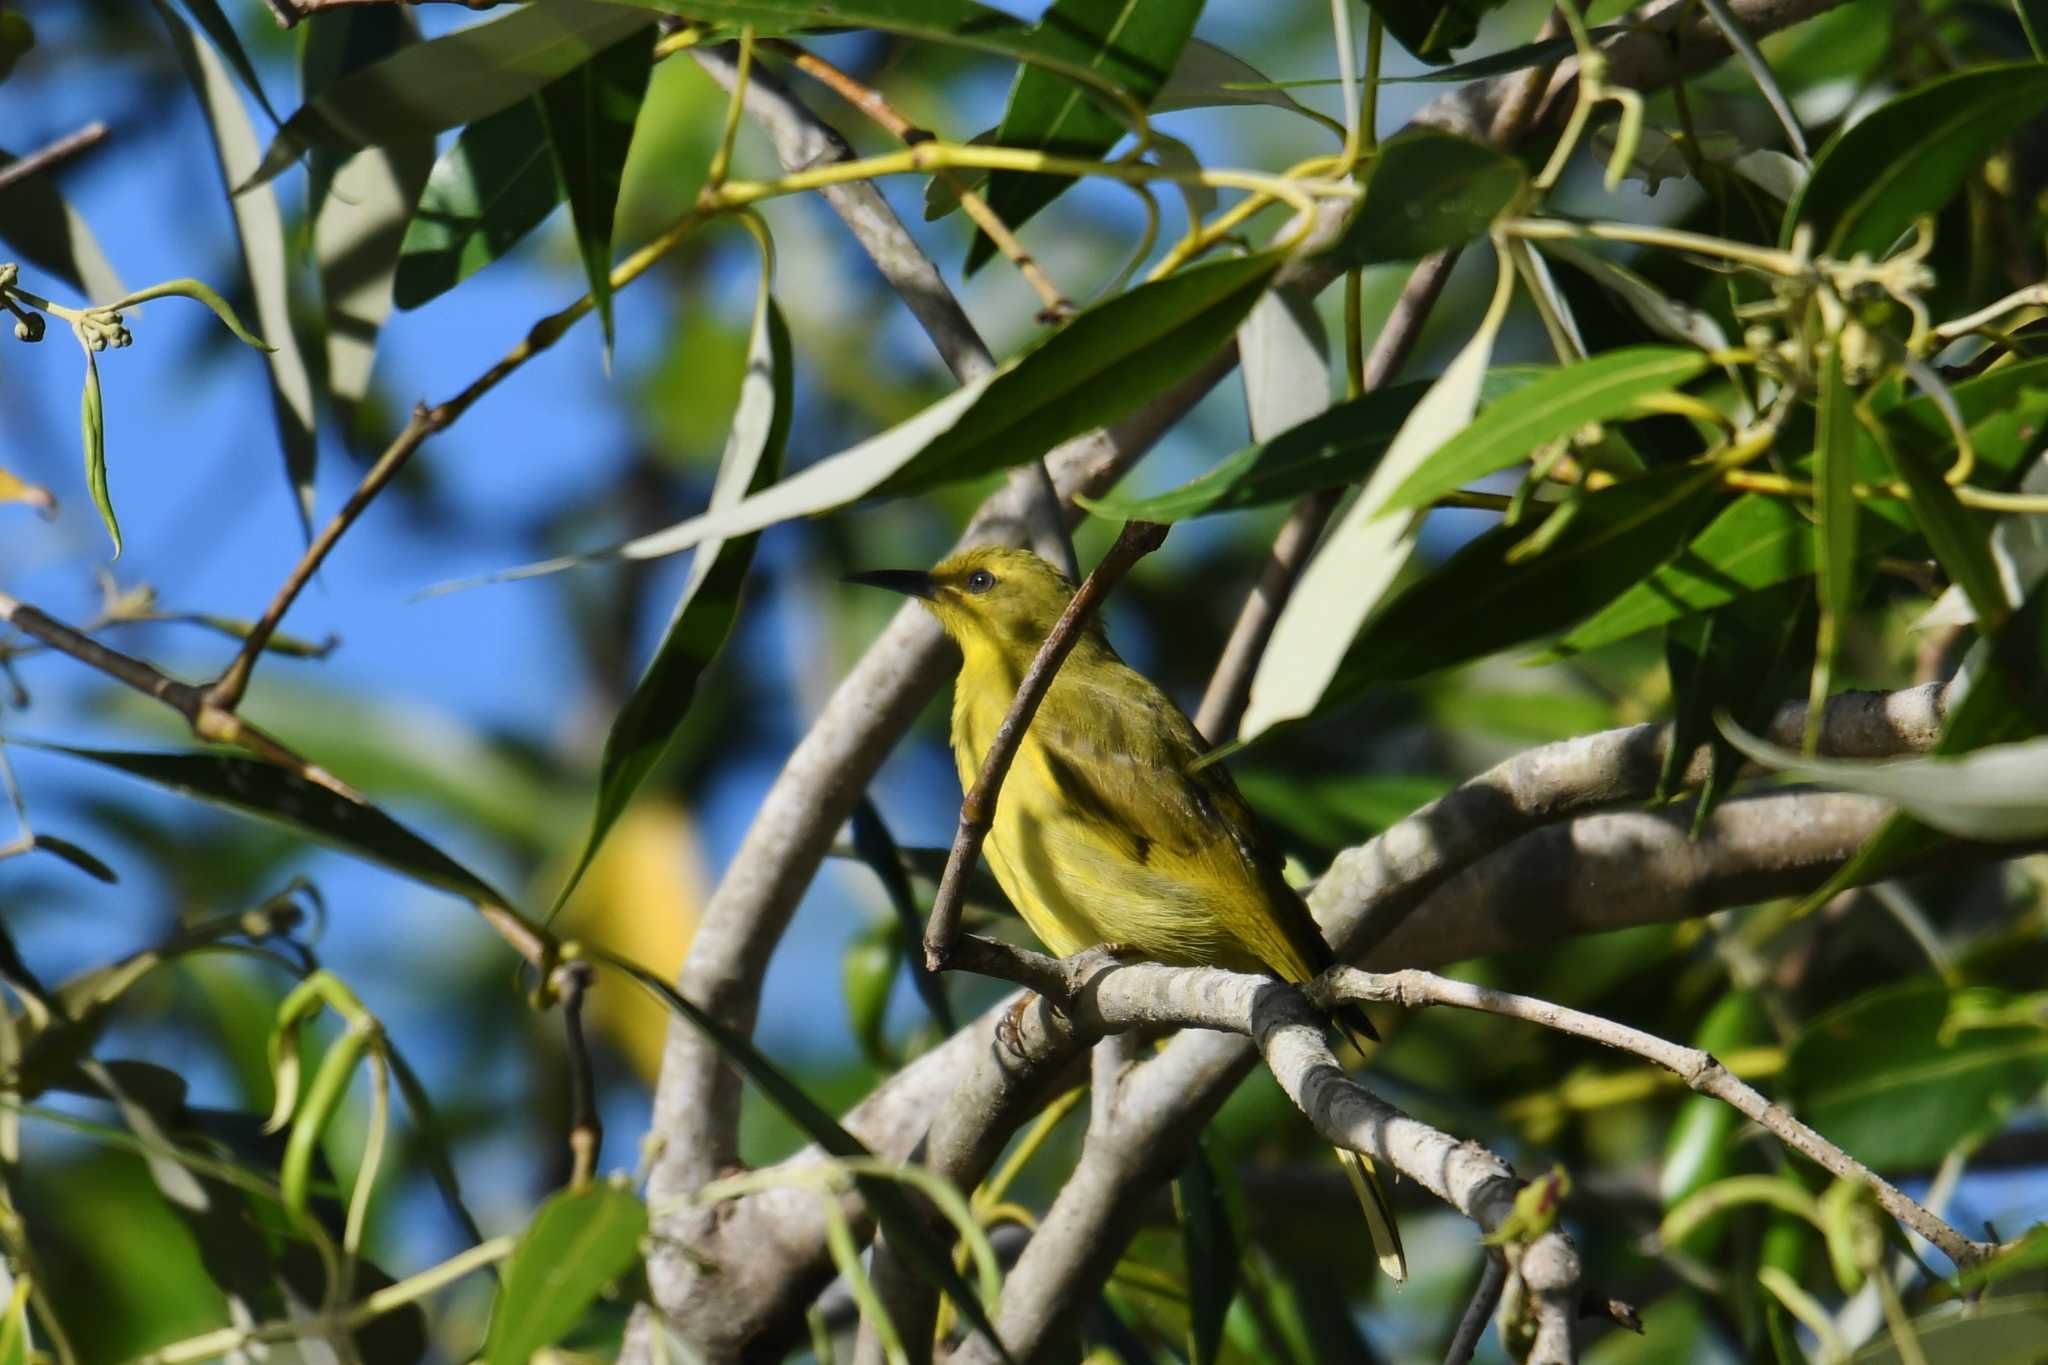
[[1365, 1180]]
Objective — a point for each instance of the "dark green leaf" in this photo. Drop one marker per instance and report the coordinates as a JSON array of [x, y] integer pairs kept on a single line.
[[1207, 77], [1134, 44], [1700, 1147], [1543, 53], [589, 115], [2030, 1252], [877, 848], [450, 81], [1960, 541], [2033, 16], [1336, 448], [360, 203], [270, 793], [1482, 601], [1429, 190], [1211, 1248], [1900, 1076], [221, 33], [45, 231], [495, 185], [885, 1198], [1596, 389], [1835, 512], [710, 599], [579, 1242], [71, 853], [1911, 155], [1433, 29]]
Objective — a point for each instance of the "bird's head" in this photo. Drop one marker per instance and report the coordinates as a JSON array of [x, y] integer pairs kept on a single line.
[[989, 596]]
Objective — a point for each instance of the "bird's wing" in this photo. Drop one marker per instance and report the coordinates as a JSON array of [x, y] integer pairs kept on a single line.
[[1120, 753]]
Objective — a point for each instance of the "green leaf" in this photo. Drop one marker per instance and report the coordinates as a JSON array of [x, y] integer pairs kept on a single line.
[[2000, 1331], [710, 600], [899, 1219], [1700, 1148], [92, 429], [2033, 17], [1835, 512], [867, 975], [1334, 813], [1520, 58], [1596, 389], [1211, 1249], [270, 793], [448, 81], [589, 115], [1206, 77], [259, 225], [1134, 44], [1101, 365], [1483, 601], [1911, 155], [1429, 190], [1960, 541], [1433, 29], [495, 185], [579, 1242], [2030, 1252], [1283, 355], [1757, 541], [221, 33], [878, 849], [1890, 1079], [203, 293], [360, 203], [1337, 448], [48, 234], [1673, 319]]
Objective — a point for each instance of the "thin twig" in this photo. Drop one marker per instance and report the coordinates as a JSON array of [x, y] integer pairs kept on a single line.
[[1493, 1277], [586, 1130], [1698, 1069], [70, 145], [977, 811]]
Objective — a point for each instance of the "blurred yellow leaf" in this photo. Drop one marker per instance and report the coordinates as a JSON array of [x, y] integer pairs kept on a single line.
[[14, 489]]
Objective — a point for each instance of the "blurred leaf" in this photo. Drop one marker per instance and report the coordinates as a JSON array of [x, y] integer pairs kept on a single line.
[[1206, 77], [578, 1242], [1673, 319], [1519, 58], [1699, 1149], [900, 1221], [1134, 44], [259, 224], [1835, 514], [867, 975], [1757, 540], [221, 33], [1334, 813], [17, 40], [495, 185], [2003, 1331], [448, 81], [1285, 358], [13, 488], [77, 857], [710, 600], [271, 793], [1596, 389], [1360, 556], [1211, 1247], [360, 203], [92, 430], [1433, 29], [1486, 599], [1429, 190], [2033, 17], [46, 232], [1104, 363], [1338, 448], [1960, 540], [877, 848], [1911, 155], [589, 115], [2029, 1252], [1998, 792], [1882, 1078]]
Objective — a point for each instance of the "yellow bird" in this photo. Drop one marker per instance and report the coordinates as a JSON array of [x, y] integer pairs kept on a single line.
[[1104, 832]]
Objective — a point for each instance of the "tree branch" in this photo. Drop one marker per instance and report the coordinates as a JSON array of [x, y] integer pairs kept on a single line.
[[44, 157]]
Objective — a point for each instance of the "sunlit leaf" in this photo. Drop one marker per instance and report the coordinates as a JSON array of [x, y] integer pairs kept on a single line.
[[579, 1241], [1206, 76], [1429, 190], [1285, 359], [495, 185]]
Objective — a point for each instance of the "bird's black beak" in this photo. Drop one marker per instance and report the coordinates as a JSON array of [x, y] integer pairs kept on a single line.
[[910, 582]]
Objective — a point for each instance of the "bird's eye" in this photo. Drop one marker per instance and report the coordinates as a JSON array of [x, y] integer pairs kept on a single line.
[[981, 580]]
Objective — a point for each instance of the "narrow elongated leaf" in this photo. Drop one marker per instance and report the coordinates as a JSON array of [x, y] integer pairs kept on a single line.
[[495, 185], [79, 858], [1911, 156], [1206, 76], [270, 793], [1521, 58], [885, 1199], [1596, 389], [449, 81], [589, 115], [1429, 190], [221, 33], [1285, 358], [1482, 600], [92, 431], [1892, 1079], [48, 234], [1996, 793], [878, 849], [1133, 43], [1101, 365], [2033, 17], [1360, 557], [1337, 448], [578, 1242], [710, 599], [1670, 318], [1834, 507], [1961, 542], [361, 203], [1211, 1248], [2007, 1330], [259, 224]]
